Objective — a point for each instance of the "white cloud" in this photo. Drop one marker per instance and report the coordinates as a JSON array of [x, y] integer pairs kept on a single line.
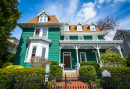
[[125, 23], [98, 6], [86, 12], [101, 1], [120, 0]]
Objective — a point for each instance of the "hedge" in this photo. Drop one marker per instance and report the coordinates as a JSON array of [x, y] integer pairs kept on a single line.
[[22, 72], [54, 63], [87, 71], [7, 64], [93, 63], [56, 71], [117, 71]]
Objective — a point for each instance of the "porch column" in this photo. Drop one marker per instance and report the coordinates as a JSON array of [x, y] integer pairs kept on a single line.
[[119, 49], [98, 47], [77, 54], [60, 54]]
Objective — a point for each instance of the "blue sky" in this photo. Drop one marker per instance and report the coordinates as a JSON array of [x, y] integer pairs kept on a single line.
[[73, 11]]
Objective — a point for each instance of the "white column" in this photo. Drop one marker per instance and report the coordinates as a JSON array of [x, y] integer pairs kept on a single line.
[[119, 48], [77, 55], [98, 52]]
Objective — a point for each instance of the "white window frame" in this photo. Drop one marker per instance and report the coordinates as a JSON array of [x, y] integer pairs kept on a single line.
[[43, 18], [79, 26], [94, 37], [85, 56], [79, 37], [32, 50], [66, 27], [128, 43], [92, 26], [45, 51], [35, 32], [47, 32], [66, 36]]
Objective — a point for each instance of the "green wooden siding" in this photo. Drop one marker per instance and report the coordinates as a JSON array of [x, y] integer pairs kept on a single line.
[[54, 35], [89, 55], [73, 37], [88, 38], [21, 51], [62, 38], [100, 38]]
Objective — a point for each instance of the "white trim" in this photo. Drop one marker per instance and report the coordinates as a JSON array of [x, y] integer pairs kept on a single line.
[[70, 58], [67, 36], [27, 53], [47, 32], [79, 27], [82, 38], [128, 43], [92, 27], [95, 36], [43, 18], [35, 32], [85, 56], [66, 26]]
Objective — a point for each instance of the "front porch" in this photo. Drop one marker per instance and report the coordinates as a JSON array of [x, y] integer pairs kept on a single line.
[[74, 52]]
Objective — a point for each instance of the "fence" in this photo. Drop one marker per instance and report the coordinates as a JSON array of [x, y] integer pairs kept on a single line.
[[65, 82]]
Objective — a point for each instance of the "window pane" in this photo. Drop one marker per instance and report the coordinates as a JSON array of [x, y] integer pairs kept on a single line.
[[45, 17], [37, 32], [41, 17], [66, 38], [34, 51], [44, 33], [43, 52], [83, 56], [80, 38]]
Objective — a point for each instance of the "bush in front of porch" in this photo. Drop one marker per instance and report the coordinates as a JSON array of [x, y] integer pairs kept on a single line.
[[92, 63], [86, 72]]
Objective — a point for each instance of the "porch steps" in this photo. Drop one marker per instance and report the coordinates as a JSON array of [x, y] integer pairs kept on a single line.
[[70, 73]]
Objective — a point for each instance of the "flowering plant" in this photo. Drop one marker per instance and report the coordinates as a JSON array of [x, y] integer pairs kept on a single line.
[[53, 82]]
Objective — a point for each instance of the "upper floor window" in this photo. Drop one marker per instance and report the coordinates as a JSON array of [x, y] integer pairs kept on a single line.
[[37, 32], [66, 27], [66, 38], [79, 28], [80, 37], [95, 38], [43, 18], [92, 27], [45, 33]]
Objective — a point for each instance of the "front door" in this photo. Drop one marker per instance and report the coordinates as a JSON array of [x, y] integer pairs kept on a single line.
[[67, 60]]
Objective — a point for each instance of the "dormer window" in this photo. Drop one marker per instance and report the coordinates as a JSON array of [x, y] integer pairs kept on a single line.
[[79, 28], [43, 18], [92, 27], [66, 27]]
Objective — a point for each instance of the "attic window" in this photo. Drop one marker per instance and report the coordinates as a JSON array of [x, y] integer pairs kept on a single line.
[[66, 27], [92, 27], [79, 28], [43, 18]]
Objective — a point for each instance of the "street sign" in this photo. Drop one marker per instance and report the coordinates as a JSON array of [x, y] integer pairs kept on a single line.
[[47, 68], [46, 79]]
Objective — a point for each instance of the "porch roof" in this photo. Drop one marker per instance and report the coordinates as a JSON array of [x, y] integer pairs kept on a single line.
[[82, 44]]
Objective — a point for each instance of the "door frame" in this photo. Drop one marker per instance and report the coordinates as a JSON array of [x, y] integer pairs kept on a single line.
[[70, 58]]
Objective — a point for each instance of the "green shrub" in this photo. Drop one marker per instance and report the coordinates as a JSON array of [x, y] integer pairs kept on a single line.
[[22, 72], [117, 71], [86, 71], [7, 64], [56, 70], [92, 63], [54, 63], [128, 60], [112, 59]]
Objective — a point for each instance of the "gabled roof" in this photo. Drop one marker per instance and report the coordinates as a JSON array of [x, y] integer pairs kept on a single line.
[[86, 28], [43, 11], [50, 19]]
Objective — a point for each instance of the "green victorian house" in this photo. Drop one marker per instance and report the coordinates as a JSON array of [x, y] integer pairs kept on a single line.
[[69, 45]]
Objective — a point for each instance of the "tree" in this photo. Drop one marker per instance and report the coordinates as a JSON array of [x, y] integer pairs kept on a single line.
[[107, 23], [9, 15]]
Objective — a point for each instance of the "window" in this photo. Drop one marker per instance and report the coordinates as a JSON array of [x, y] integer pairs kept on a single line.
[[34, 51], [122, 49], [43, 52], [123, 37], [82, 56], [128, 43], [45, 33], [66, 28], [79, 28], [92, 27], [66, 38], [95, 38], [37, 32], [43, 18], [80, 37]]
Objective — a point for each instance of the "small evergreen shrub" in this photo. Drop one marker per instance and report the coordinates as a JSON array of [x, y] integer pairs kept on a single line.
[[87, 71], [117, 71], [22, 72], [7, 64], [56, 71], [54, 63]]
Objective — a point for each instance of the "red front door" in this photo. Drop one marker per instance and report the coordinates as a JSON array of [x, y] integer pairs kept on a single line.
[[67, 60]]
